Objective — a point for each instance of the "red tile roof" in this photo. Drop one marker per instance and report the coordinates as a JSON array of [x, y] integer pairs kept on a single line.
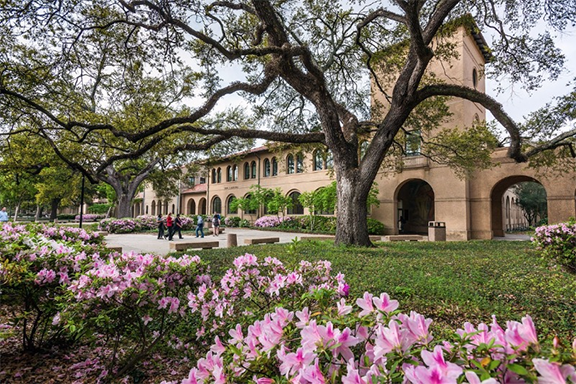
[[196, 189]]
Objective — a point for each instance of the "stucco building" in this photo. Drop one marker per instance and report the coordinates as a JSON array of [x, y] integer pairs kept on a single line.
[[474, 207]]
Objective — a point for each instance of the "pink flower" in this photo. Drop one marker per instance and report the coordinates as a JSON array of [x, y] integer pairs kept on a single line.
[[553, 373], [293, 362], [473, 379], [384, 304], [366, 304]]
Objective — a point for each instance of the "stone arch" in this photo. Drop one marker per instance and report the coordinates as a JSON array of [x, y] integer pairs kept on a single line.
[[498, 217], [202, 206], [216, 204], [415, 206], [191, 207], [297, 208], [229, 200]]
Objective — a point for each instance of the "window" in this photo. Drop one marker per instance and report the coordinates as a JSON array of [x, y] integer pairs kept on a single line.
[[234, 172], [229, 208], [266, 168], [202, 180], [216, 204], [253, 166], [192, 181], [246, 171], [329, 160], [413, 143], [219, 175], [214, 177], [173, 208], [363, 149], [299, 163], [290, 164], [318, 161], [229, 173], [250, 211], [297, 208], [274, 167], [153, 208], [146, 209], [474, 77]]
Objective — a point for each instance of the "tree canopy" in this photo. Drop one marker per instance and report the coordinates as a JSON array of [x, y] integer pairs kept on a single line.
[[301, 67]]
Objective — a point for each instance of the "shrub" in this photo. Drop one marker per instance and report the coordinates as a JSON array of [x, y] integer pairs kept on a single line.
[[270, 221], [65, 217], [375, 227], [89, 217], [372, 342], [558, 242], [244, 223], [233, 221], [140, 223]]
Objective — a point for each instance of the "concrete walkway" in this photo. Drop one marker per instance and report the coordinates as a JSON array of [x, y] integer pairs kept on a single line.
[[148, 242]]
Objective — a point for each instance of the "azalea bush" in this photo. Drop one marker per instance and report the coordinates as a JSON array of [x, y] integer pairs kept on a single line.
[[37, 264], [90, 217], [139, 224], [370, 341], [558, 242], [271, 221]]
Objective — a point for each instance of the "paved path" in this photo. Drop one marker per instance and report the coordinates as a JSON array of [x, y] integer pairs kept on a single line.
[[148, 242]]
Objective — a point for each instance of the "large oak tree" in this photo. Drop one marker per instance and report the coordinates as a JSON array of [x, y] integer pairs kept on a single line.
[[301, 65]]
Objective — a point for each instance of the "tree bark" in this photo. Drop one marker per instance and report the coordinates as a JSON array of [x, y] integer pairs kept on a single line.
[[39, 209], [125, 202], [54, 209], [352, 211]]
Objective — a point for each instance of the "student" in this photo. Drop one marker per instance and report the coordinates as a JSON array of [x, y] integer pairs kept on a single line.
[[177, 226], [3, 215], [170, 225], [216, 224], [200, 225], [160, 222]]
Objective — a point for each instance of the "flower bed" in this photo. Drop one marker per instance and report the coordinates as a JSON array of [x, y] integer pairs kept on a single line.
[[139, 224], [558, 242]]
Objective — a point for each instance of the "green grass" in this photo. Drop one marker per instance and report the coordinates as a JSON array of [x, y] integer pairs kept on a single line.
[[450, 282]]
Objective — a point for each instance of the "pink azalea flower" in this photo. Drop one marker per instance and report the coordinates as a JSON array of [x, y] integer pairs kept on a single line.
[[293, 362], [552, 373], [474, 379], [384, 304], [366, 304]]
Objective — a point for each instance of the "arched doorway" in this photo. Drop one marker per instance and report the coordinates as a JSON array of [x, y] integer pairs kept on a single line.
[[153, 208], [191, 207], [202, 206], [507, 198], [415, 207]]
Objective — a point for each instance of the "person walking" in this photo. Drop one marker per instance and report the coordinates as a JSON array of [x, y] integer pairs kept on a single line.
[[177, 226], [216, 224], [160, 222], [170, 225], [200, 225], [3, 215]]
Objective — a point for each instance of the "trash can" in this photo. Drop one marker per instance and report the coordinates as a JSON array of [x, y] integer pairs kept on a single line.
[[436, 231]]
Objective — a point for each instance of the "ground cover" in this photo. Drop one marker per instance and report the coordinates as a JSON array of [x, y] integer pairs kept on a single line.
[[451, 282]]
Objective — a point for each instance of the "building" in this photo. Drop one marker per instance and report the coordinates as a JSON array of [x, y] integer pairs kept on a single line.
[[474, 207]]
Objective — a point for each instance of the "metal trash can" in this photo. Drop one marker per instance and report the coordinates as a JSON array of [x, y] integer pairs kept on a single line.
[[436, 231]]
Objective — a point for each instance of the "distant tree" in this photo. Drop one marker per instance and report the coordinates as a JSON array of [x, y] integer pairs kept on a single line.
[[532, 200]]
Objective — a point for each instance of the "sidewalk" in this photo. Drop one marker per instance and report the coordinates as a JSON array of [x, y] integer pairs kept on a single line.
[[148, 242]]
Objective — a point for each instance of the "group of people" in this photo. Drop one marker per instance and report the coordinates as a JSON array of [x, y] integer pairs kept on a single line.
[[168, 228], [172, 225]]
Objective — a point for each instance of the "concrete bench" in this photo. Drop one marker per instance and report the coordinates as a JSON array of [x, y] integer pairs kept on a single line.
[[404, 238], [197, 244], [262, 240]]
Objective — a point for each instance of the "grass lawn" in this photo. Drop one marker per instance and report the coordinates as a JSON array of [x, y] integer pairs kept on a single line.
[[451, 282]]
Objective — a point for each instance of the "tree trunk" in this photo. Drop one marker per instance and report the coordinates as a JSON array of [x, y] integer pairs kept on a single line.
[[125, 204], [54, 209], [38, 215], [16, 211], [352, 225]]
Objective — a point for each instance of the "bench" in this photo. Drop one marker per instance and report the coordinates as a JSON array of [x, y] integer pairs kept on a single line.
[[101, 233], [317, 238], [116, 249], [197, 244], [404, 238], [262, 240]]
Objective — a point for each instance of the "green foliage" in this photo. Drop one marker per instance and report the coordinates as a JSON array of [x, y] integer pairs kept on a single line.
[[558, 242], [99, 208], [375, 227], [532, 200], [452, 282]]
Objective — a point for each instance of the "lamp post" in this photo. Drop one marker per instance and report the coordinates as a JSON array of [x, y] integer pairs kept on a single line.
[[82, 202]]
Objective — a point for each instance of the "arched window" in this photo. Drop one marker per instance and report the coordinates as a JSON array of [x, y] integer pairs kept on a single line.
[[191, 207], [329, 160], [253, 166], [363, 148], [173, 208], [318, 161], [214, 178], [229, 173], [159, 206], [274, 167], [290, 164], [146, 209], [474, 77], [166, 207], [235, 172], [229, 209], [246, 171], [250, 211], [153, 208], [297, 208], [216, 204], [266, 168], [219, 175], [299, 163]]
